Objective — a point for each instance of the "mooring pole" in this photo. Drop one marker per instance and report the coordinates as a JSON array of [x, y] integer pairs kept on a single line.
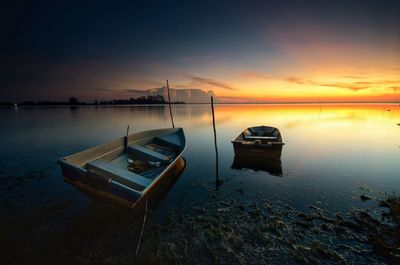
[[216, 146], [170, 109], [141, 230], [126, 138]]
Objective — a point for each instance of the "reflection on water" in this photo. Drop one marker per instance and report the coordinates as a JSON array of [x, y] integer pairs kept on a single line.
[[330, 151], [348, 142], [269, 161]]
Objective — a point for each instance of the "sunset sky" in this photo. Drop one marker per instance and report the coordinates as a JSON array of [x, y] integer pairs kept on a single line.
[[244, 51]]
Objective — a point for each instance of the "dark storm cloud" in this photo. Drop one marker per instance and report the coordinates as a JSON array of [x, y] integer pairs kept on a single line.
[[353, 86], [104, 89], [101, 89], [350, 86], [395, 88], [357, 86], [212, 82], [296, 80], [138, 91]]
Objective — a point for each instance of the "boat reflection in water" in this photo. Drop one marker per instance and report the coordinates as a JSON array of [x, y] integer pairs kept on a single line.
[[259, 148]]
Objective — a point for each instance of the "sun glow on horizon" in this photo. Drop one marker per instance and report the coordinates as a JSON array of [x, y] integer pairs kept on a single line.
[[379, 86]]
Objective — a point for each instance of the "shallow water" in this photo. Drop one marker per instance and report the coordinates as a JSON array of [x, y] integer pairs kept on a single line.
[[332, 154]]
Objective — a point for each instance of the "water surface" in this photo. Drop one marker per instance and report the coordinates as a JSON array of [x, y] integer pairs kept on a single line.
[[331, 154]]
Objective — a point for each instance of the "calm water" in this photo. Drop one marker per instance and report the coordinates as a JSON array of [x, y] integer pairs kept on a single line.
[[331, 151]]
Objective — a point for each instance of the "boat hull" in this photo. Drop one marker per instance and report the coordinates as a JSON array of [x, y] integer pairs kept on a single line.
[[242, 149], [111, 194]]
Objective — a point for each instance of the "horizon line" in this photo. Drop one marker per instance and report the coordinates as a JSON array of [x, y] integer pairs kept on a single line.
[[204, 103]]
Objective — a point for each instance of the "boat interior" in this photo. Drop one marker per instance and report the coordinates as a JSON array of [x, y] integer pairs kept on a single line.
[[134, 163], [259, 133]]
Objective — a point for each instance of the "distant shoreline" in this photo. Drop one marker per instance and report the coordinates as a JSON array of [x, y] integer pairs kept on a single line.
[[84, 104], [73, 101], [12, 105]]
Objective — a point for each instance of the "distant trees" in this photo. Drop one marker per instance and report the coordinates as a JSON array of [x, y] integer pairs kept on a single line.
[[158, 99], [73, 101], [140, 100], [6, 104]]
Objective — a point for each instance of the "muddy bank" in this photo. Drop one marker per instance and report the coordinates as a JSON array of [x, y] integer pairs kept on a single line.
[[272, 232], [224, 231]]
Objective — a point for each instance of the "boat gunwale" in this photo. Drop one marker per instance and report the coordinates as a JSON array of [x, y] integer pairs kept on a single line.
[[279, 141]]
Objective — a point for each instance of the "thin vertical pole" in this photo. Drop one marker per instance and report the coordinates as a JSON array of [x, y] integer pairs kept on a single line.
[[216, 146], [141, 230], [126, 138], [170, 109]]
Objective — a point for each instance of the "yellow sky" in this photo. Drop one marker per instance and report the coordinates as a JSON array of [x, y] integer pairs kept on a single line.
[[321, 79]]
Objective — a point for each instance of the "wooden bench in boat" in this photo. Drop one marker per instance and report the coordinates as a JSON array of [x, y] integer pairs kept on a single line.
[[171, 141], [146, 153], [253, 137], [108, 171]]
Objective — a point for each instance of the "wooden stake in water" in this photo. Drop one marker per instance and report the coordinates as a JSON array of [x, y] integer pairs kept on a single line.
[[217, 182], [170, 109], [141, 231], [126, 138]]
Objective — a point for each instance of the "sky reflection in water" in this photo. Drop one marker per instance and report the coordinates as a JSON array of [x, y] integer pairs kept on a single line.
[[330, 151]]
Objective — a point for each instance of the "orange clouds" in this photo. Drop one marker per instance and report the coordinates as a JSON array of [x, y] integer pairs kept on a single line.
[[327, 87], [197, 80]]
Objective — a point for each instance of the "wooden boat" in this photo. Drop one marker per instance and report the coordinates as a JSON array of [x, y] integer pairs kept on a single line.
[[259, 148], [258, 140], [125, 170]]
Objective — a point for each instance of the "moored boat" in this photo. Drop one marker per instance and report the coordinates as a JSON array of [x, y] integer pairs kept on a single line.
[[259, 148], [258, 140], [125, 170]]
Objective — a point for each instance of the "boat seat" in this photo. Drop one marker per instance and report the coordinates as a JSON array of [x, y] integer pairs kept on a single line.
[[252, 137], [109, 171], [146, 153], [169, 140]]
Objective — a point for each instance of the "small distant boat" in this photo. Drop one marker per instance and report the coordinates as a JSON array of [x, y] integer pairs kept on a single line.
[[259, 148], [258, 140], [127, 169]]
